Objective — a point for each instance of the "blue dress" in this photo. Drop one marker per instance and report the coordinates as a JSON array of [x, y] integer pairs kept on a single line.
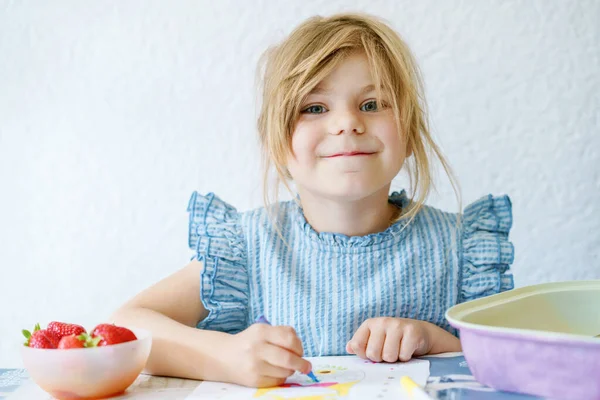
[[326, 285]]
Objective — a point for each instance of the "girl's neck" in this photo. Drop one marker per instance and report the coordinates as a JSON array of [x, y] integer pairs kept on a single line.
[[361, 217]]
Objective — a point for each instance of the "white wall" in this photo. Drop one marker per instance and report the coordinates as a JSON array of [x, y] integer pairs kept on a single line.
[[113, 112]]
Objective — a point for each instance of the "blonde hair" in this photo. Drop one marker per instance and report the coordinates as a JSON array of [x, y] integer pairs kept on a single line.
[[294, 67]]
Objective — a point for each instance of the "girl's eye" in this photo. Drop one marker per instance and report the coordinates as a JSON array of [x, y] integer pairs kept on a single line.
[[369, 106], [314, 109]]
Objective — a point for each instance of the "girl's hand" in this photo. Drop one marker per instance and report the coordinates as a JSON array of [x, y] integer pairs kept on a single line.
[[264, 356], [391, 339]]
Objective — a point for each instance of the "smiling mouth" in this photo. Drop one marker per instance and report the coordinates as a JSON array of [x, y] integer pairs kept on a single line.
[[350, 154]]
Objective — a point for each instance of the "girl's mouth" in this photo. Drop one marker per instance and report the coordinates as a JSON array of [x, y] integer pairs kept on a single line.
[[350, 154]]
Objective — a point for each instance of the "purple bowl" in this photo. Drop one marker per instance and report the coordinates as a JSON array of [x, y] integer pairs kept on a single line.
[[536, 340]]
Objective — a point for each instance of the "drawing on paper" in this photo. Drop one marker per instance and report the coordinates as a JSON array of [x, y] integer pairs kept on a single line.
[[340, 378], [334, 382]]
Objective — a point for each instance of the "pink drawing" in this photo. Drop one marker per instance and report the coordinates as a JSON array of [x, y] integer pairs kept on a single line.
[[320, 384]]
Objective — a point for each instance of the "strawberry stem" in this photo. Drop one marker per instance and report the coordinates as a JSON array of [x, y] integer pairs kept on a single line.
[[28, 334], [88, 340]]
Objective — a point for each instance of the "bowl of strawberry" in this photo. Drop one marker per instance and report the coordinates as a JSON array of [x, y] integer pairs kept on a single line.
[[71, 363]]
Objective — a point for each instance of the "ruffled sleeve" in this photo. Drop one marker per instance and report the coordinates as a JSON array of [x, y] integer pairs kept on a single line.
[[217, 239], [486, 251]]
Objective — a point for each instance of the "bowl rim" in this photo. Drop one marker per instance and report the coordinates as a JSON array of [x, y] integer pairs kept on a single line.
[[456, 313]]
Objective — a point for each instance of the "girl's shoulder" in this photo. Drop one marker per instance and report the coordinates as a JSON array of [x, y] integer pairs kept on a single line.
[[488, 213], [211, 216], [485, 252], [485, 217], [214, 227], [479, 236]]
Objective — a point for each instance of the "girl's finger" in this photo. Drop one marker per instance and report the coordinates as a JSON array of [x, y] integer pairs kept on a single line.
[[358, 343], [409, 344], [268, 370], [391, 347], [285, 337], [375, 345], [283, 358]]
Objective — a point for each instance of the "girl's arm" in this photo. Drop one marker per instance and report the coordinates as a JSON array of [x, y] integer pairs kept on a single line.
[[170, 309], [442, 340], [260, 356]]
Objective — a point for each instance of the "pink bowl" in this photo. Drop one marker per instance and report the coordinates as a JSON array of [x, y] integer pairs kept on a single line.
[[537, 340], [91, 373]]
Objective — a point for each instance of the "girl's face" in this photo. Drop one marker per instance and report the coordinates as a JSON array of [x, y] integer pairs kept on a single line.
[[346, 144]]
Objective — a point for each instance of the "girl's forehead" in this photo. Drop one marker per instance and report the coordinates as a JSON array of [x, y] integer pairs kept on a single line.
[[352, 72]]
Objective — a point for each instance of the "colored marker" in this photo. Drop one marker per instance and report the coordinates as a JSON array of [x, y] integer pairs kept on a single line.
[[413, 390], [263, 320]]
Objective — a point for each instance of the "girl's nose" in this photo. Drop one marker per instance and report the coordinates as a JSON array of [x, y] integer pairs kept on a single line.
[[346, 122]]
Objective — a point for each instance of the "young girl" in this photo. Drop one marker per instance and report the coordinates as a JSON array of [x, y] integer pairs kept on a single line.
[[345, 268]]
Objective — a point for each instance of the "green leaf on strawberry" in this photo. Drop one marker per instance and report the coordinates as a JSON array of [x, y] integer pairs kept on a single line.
[[89, 340], [28, 334]]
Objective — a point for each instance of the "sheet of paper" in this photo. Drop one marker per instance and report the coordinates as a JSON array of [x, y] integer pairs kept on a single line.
[[345, 378]]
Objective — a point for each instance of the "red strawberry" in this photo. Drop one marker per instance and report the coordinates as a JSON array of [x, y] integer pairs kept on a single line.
[[63, 329], [78, 341], [39, 341], [112, 334], [41, 338], [70, 342]]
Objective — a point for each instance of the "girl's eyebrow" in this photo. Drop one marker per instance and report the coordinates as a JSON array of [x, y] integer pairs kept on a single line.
[[324, 90], [367, 89], [319, 90]]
